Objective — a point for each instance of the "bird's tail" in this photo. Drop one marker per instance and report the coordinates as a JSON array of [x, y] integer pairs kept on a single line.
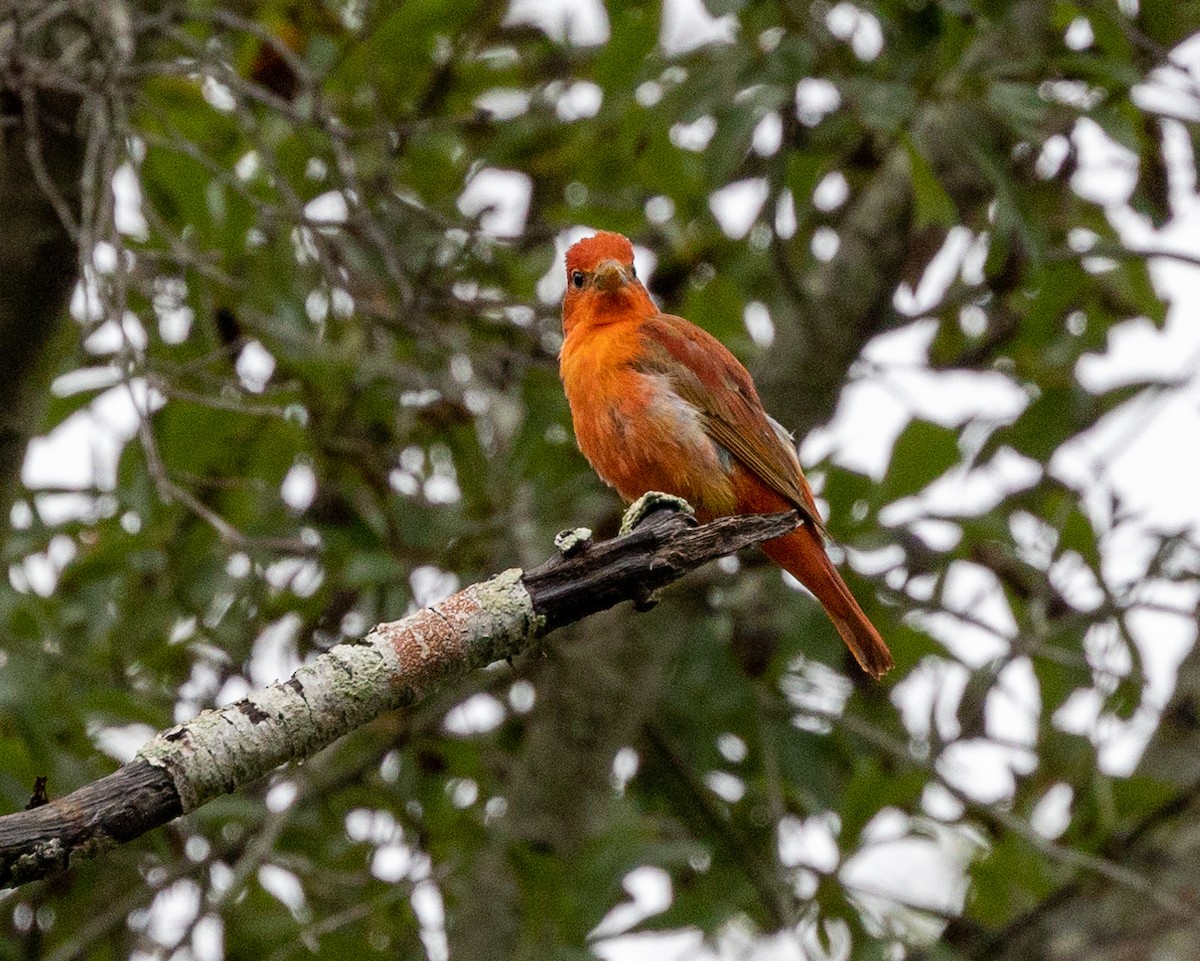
[[803, 556]]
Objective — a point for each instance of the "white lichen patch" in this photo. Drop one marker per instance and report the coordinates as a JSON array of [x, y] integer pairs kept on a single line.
[[647, 504], [573, 541]]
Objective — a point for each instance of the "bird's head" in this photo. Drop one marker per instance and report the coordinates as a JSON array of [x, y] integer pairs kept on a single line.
[[602, 282]]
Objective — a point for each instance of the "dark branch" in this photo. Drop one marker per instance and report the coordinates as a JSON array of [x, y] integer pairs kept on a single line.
[[660, 550]]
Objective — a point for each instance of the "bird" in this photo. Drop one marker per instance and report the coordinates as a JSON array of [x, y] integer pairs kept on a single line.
[[659, 404]]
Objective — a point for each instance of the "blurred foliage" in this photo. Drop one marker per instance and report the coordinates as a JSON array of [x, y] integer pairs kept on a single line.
[[318, 341]]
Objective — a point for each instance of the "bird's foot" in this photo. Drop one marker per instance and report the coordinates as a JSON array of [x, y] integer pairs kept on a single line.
[[572, 542], [647, 504]]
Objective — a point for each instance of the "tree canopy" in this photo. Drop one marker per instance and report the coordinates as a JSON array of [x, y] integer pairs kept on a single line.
[[278, 336]]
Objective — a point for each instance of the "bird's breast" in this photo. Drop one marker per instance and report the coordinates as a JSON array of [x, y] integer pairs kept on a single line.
[[639, 434]]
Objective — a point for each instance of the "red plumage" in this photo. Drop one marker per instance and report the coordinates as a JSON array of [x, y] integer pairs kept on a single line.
[[660, 404]]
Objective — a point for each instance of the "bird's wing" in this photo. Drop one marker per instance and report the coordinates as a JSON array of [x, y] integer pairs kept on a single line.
[[706, 375]]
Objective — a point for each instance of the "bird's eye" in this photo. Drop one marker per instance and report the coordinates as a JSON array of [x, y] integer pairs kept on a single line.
[[633, 271], [577, 279]]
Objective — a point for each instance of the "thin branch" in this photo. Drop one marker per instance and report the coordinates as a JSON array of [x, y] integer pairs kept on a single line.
[[767, 883]]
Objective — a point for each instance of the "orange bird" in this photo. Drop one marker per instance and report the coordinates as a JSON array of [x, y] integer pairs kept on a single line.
[[659, 404]]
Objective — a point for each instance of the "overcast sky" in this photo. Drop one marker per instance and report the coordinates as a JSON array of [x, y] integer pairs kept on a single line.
[[1146, 452]]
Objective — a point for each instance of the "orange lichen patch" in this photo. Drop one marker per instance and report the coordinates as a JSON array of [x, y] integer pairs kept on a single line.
[[434, 643], [479, 624]]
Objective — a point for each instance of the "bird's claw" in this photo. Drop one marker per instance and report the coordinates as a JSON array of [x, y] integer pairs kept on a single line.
[[647, 504], [572, 542]]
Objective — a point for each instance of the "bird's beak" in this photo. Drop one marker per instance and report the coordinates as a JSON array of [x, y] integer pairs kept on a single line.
[[610, 275]]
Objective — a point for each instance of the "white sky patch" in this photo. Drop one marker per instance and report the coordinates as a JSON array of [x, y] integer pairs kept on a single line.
[[737, 205], [255, 366], [785, 215], [500, 199], [462, 791], [431, 584], [172, 912], [624, 767], [218, 95], [768, 136], [281, 796], [977, 623], [504, 103], [1079, 34], [732, 747], [965, 493], [687, 25], [1052, 813], [372, 826], [86, 306], [391, 862], [759, 325], [327, 209], [274, 656], [1172, 88], [1014, 705], [684, 945], [859, 28], [695, 135], [248, 165], [285, 887], [941, 272], [728, 787], [1107, 171], [983, 769], [581, 23], [478, 714], [430, 910], [123, 742], [832, 191], [825, 244], [660, 209], [579, 101], [300, 575], [127, 203], [299, 487], [897, 867], [85, 379], [810, 843], [111, 337], [892, 384], [83, 450], [816, 98], [927, 698], [649, 890], [208, 939]]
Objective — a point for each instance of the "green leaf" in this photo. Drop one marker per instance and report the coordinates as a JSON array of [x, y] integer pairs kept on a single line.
[[922, 453], [933, 205]]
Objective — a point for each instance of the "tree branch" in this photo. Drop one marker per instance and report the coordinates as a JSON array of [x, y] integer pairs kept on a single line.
[[40, 164], [395, 665]]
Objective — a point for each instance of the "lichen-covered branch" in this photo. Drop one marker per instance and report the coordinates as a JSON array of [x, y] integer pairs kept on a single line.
[[394, 665]]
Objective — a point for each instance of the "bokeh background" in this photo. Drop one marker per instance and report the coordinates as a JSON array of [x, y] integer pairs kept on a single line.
[[278, 336]]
